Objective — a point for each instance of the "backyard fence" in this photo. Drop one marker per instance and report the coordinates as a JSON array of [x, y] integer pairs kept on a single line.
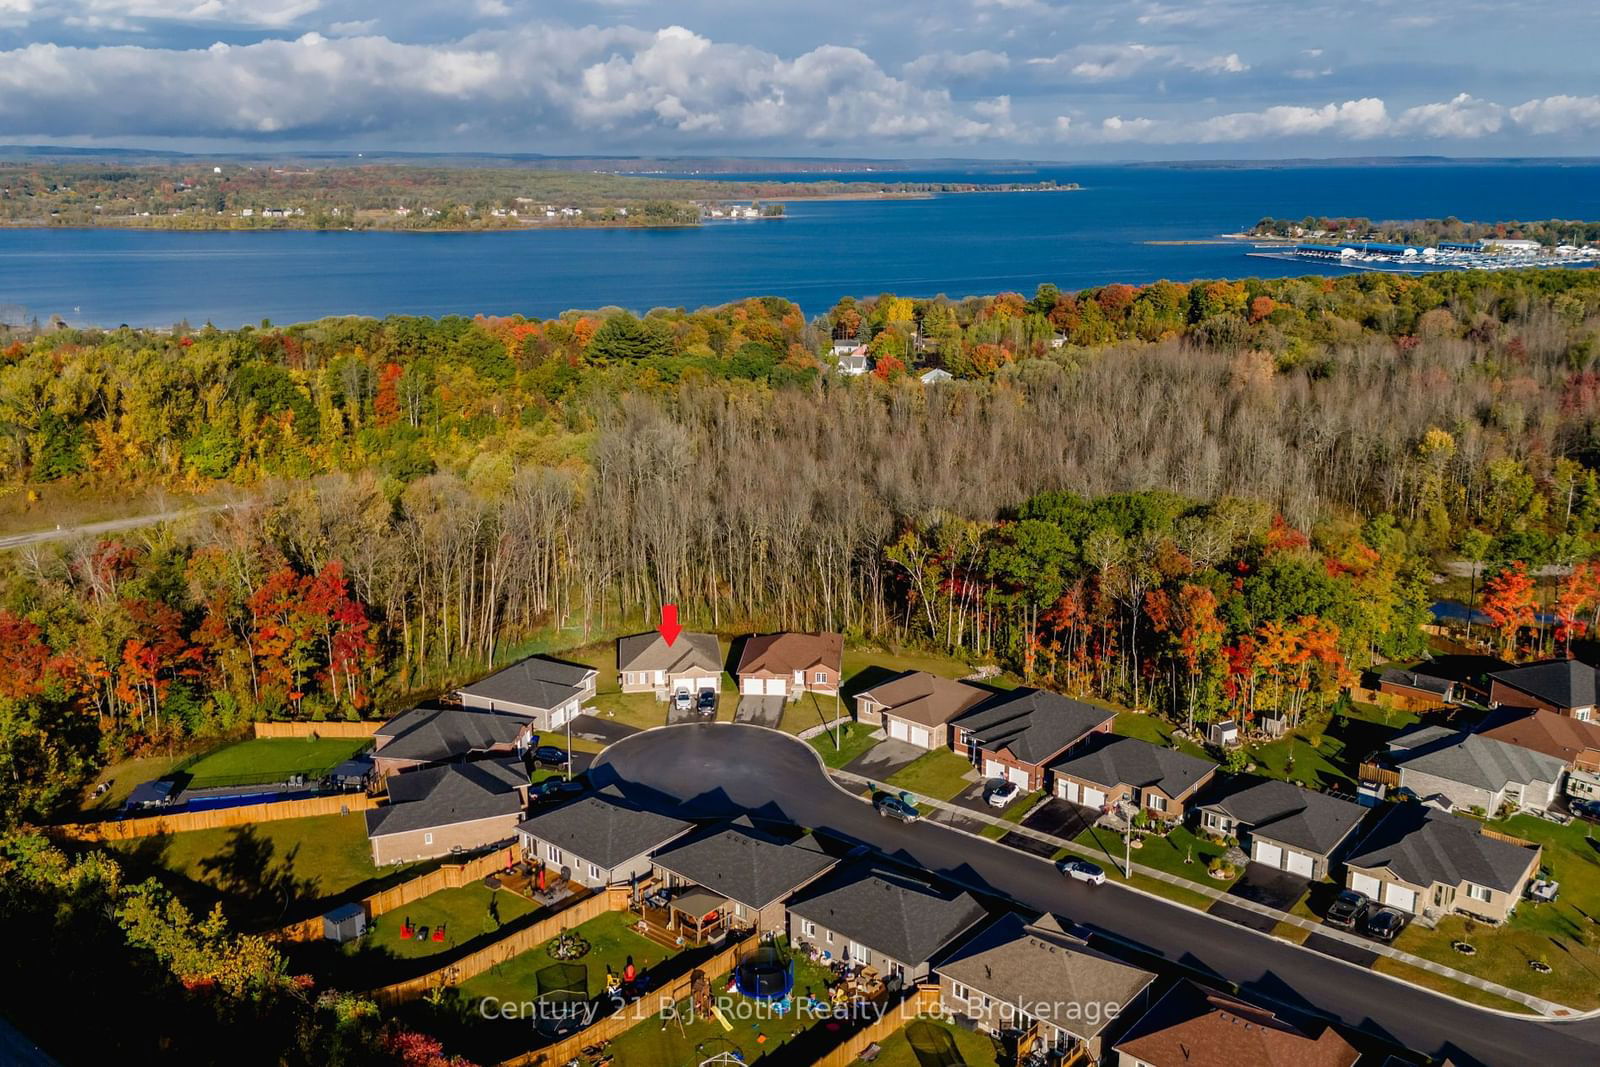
[[449, 876], [502, 951], [924, 1000], [215, 819], [646, 1007], [317, 729]]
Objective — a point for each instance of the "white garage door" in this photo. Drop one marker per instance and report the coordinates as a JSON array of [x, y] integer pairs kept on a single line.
[[752, 686], [921, 737], [1019, 776], [709, 682], [1299, 863], [1094, 798], [1271, 855], [1069, 791], [993, 768], [897, 730], [1400, 897], [1365, 883], [776, 687]]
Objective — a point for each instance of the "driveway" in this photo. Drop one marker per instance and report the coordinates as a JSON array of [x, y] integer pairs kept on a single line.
[[760, 711], [1243, 916], [689, 714], [722, 771], [1341, 950], [1270, 886], [1061, 818], [884, 758], [595, 728]]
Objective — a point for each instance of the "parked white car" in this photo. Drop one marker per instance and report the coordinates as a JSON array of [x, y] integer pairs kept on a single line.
[[1082, 871], [1002, 794]]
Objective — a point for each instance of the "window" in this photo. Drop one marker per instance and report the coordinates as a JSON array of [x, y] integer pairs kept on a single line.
[[960, 992], [594, 872], [860, 953], [1581, 714], [808, 928], [1155, 802], [738, 910], [829, 938], [427, 839], [552, 853], [1478, 892], [820, 678], [896, 969]]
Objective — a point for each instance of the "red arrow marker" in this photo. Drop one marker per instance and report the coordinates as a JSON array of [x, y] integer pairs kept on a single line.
[[669, 627]]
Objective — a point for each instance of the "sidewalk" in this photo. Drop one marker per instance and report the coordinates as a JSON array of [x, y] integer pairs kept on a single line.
[[963, 820]]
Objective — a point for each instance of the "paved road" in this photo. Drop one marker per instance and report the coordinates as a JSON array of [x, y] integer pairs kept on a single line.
[[712, 770], [87, 529]]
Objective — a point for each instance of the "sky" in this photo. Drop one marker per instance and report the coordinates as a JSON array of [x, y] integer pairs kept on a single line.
[[1011, 79]]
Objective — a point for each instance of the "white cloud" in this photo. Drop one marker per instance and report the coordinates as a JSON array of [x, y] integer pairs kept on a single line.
[[1558, 114], [1463, 117], [1115, 62], [937, 66]]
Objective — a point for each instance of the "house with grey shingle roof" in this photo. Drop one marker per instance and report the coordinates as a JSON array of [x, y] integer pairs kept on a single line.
[[1564, 686], [1014, 974], [1424, 861], [1282, 825], [424, 736], [647, 663], [1124, 770], [893, 920], [457, 808], [547, 691], [1473, 771], [1016, 735], [916, 707], [600, 839], [754, 870]]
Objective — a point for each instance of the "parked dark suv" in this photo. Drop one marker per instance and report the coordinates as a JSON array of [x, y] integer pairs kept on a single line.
[[707, 703], [1385, 924], [1348, 909]]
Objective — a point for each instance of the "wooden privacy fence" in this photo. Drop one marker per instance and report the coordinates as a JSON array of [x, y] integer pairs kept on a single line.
[[648, 1006], [449, 876], [924, 1000], [317, 729], [184, 821], [613, 899]]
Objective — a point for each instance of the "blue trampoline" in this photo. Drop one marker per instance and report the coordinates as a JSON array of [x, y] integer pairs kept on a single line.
[[765, 974]]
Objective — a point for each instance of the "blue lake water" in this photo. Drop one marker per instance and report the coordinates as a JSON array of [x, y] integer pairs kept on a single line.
[[958, 245]]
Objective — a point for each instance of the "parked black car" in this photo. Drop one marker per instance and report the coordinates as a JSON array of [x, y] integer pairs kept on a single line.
[[1347, 909], [1585, 809], [559, 788], [1385, 924], [550, 756], [707, 704]]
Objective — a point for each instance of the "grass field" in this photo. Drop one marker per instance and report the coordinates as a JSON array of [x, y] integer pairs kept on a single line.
[[1154, 730], [266, 873], [611, 943], [269, 759], [1440, 984], [757, 1029], [855, 738], [1181, 853], [940, 774], [124, 776]]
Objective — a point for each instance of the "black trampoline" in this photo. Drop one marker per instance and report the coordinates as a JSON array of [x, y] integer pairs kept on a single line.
[[563, 998], [934, 1046], [765, 974]]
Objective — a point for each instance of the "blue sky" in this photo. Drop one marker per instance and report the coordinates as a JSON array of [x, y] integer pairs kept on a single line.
[[1036, 79]]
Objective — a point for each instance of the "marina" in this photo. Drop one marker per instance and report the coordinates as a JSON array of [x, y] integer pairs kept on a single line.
[[1494, 254]]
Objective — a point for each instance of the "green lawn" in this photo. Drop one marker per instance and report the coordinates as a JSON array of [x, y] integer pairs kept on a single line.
[[1328, 752], [1561, 934], [940, 775], [1013, 814], [267, 873], [272, 759], [124, 776], [1448, 986], [976, 1050], [1154, 729], [611, 943], [649, 1044], [854, 739], [1181, 853]]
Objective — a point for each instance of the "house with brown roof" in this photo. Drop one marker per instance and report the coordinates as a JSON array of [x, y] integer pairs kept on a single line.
[[1195, 1027], [649, 663], [791, 664], [918, 707], [1573, 741], [1019, 976], [1016, 735]]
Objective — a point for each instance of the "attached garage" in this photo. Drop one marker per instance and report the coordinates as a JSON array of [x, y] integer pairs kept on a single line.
[[753, 687], [1271, 855], [1299, 863], [777, 687], [1365, 883], [922, 737], [1398, 896], [1068, 791], [707, 682], [899, 730], [1093, 798], [1020, 776], [993, 768]]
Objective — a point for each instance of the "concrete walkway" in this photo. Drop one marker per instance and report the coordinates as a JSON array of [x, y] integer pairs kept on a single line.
[[1335, 937]]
